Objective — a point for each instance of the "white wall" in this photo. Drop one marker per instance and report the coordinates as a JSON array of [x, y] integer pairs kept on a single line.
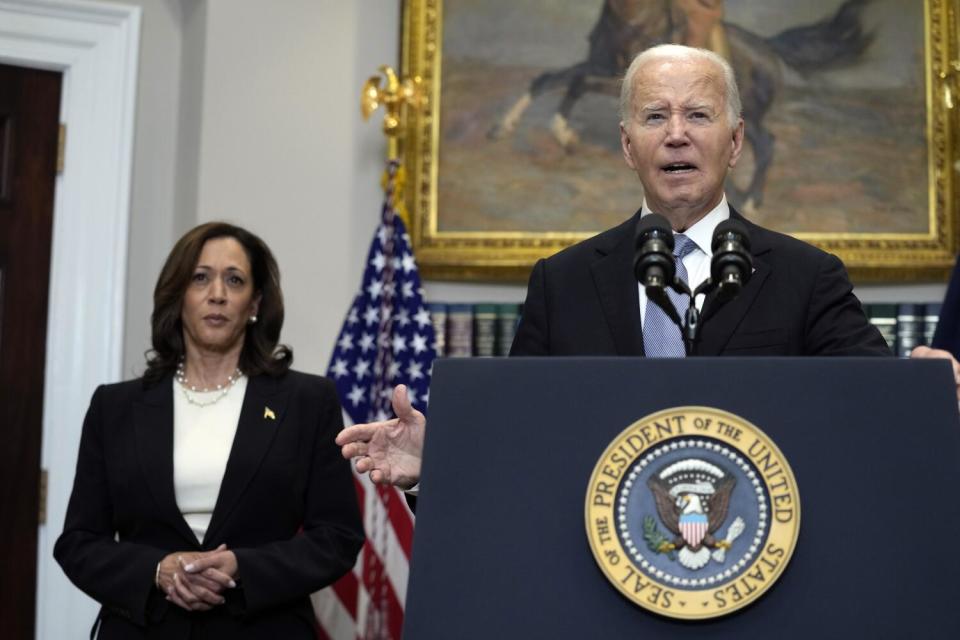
[[249, 112], [154, 169], [283, 150]]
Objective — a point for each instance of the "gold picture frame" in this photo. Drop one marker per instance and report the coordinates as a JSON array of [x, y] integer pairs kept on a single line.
[[493, 253]]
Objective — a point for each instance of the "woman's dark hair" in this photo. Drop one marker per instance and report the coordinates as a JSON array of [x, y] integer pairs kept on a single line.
[[260, 353]]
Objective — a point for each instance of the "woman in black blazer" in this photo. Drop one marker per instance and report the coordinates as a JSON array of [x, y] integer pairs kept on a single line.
[[210, 499]]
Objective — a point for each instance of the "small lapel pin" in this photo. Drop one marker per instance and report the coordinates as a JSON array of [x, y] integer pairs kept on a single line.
[[268, 413]]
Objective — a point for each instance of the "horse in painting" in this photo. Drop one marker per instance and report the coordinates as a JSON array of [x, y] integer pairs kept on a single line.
[[627, 27]]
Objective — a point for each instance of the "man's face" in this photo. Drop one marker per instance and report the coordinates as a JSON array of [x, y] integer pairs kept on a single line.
[[678, 138]]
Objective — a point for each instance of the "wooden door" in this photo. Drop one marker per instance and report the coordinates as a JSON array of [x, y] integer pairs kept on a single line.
[[29, 129]]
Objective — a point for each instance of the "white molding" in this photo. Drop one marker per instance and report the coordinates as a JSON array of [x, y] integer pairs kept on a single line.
[[95, 45]]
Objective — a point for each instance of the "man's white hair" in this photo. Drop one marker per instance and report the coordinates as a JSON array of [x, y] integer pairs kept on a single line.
[[681, 52]]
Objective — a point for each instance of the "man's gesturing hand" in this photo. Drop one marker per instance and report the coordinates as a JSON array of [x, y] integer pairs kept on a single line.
[[927, 352], [390, 450]]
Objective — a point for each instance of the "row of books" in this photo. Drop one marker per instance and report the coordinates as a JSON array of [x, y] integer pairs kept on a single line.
[[904, 326], [465, 330]]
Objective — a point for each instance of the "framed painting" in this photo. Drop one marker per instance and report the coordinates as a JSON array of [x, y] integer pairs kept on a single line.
[[850, 106]]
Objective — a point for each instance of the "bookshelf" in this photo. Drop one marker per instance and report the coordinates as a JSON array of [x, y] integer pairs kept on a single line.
[[486, 329]]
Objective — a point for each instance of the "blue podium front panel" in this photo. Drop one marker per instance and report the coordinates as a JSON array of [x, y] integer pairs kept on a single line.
[[501, 548]]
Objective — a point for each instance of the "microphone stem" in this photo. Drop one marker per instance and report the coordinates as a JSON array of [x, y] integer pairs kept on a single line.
[[691, 327]]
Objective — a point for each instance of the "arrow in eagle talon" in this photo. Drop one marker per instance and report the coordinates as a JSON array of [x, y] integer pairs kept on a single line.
[[736, 528]]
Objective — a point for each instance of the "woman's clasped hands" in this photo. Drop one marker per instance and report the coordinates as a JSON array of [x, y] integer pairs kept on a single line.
[[196, 581]]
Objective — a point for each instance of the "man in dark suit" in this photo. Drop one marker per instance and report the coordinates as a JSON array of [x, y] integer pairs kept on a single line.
[[682, 132], [586, 301]]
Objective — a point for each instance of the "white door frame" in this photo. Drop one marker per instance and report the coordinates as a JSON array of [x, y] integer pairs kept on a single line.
[[95, 45]]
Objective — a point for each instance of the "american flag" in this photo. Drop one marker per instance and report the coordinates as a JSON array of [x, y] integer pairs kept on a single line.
[[387, 339]]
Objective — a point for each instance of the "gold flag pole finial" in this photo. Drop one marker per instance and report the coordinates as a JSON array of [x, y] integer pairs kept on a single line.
[[394, 96]]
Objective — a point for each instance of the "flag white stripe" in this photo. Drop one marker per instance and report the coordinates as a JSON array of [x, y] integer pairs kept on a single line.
[[333, 617], [363, 604], [395, 563]]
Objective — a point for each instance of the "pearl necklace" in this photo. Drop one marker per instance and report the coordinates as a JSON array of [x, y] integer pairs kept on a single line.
[[223, 389]]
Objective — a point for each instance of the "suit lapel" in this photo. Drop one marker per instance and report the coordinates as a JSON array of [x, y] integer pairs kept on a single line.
[[620, 299], [718, 327], [153, 431], [618, 290], [260, 417]]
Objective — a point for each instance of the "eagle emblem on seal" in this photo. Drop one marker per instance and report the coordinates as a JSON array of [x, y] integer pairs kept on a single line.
[[692, 497]]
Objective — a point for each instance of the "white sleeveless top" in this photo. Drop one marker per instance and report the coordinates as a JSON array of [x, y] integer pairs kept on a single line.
[[202, 439]]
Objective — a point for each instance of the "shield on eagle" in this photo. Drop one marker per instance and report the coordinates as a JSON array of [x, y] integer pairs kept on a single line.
[[693, 526], [692, 498]]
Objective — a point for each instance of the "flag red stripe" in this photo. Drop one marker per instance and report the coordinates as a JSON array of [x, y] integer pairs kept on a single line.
[[361, 492], [372, 568], [399, 516], [346, 589]]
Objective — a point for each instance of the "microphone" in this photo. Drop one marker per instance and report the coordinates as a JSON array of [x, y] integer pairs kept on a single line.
[[653, 262], [732, 264]]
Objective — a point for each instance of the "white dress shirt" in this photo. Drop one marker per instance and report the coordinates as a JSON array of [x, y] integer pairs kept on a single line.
[[697, 262]]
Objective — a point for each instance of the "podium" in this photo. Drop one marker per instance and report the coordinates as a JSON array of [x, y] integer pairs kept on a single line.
[[501, 549]]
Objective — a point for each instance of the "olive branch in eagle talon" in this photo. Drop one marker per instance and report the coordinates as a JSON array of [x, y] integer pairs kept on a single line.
[[656, 541]]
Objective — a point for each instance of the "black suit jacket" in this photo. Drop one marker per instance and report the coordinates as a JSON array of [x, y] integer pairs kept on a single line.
[[287, 507], [584, 301]]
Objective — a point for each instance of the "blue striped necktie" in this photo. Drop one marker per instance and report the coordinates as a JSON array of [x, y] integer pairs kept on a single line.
[[661, 337]]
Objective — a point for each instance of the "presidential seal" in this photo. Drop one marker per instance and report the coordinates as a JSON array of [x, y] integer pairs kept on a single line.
[[692, 512]]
